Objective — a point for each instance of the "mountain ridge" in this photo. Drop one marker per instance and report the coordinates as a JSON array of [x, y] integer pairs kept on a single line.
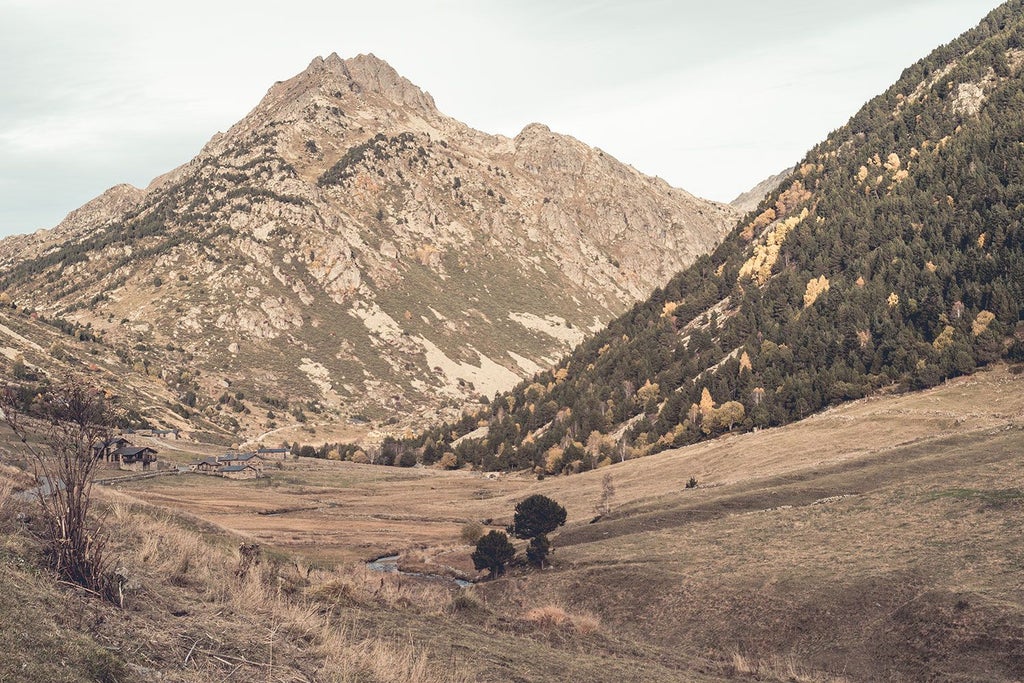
[[360, 248]]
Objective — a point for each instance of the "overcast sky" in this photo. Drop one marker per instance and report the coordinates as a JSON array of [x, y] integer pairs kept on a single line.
[[711, 96]]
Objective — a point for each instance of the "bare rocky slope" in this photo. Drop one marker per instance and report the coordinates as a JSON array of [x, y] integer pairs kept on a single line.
[[346, 250], [748, 201]]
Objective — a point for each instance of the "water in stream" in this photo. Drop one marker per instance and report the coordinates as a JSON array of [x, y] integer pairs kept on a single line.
[[389, 565]]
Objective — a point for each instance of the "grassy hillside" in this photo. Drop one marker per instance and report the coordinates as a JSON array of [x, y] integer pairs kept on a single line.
[[875, 541], [893, 256]]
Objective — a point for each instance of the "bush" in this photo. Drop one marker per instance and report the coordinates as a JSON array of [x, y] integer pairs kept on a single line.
[[554, 617], [471, 532], [464, 602], [66, 422]]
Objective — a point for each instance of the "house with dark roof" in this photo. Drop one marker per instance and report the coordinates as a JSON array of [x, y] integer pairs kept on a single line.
[[104, 450], [135, 458], [273, 453], [240, 472], [232, 459], [207, 465]]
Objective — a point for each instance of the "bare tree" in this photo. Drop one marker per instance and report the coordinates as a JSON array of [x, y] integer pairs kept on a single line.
[[58, 431]]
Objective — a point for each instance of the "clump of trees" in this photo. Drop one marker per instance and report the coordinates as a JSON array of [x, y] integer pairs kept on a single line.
[[535, 517]]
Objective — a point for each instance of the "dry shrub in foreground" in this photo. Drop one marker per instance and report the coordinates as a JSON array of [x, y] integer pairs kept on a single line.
[[68, 420], [552, 616]]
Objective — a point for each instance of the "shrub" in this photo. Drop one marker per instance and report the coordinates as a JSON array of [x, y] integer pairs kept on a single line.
[[71, 418], [471, 532], [465, 601], [552, 616]]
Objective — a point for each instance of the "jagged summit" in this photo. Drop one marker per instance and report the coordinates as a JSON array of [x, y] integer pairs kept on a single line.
[[368, 74]]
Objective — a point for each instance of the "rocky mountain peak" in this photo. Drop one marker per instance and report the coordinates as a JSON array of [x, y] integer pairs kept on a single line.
[[364, 75], [372, 256]]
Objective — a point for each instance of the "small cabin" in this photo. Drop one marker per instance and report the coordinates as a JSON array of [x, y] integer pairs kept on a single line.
[[239, 472], [207, 465], [273, 453]]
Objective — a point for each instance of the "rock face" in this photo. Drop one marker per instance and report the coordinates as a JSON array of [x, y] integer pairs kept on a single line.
[[748, 201], [348, 249]]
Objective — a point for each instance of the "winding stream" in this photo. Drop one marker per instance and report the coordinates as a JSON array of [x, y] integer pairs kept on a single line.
[[389, 565]]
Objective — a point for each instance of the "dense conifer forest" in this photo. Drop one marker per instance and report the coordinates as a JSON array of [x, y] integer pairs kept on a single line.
[[892, 257]]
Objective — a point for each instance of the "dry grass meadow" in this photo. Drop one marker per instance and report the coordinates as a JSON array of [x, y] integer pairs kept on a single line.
[[875, 541]]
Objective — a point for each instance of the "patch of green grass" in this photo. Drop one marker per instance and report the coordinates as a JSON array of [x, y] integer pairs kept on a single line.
[[993, 498]]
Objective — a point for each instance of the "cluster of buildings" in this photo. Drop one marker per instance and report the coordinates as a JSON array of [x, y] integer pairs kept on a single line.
[[239, 465], [120, 451]]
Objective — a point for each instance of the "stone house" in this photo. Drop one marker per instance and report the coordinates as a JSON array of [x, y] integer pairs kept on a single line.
[[104, 450], [207, 465], [239, 472], [235, 459], [135, 458], [273, 453]]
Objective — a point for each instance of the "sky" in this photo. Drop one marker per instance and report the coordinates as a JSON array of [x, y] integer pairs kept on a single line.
[[711, 96]]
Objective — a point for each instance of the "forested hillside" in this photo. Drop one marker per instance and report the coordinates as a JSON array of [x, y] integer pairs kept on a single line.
[[892, 256]]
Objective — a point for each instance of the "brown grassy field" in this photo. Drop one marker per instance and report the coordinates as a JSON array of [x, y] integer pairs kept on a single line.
[[875, 541]]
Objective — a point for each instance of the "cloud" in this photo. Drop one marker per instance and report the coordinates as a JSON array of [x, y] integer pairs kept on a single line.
[[710, 96]]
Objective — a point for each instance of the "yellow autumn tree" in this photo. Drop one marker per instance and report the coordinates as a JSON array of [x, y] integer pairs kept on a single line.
[[981, 322], [745, 363], [723, 418], [648, 392], [815, 288], [707, 404], [553, 460], [945, 339]]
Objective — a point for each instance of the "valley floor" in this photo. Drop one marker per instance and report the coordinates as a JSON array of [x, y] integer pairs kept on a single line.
[[875, 541]]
